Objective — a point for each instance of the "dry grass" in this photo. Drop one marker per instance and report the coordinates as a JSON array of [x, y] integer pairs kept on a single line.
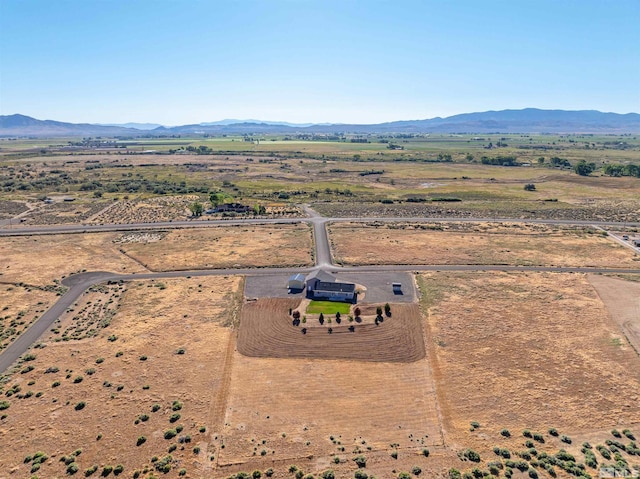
[[19, 307], [41, 259], [224, 247], [527, 351], [469, 243], [152, 323]]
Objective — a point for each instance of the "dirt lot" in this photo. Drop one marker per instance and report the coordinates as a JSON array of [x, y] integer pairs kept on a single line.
[[266, 331], [222, 247], [622, 299], [303, 407], [523, 351], [466, 243], [41, 259], [128, 367]]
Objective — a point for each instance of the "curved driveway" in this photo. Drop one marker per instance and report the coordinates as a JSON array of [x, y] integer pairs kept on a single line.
[[79, 283]]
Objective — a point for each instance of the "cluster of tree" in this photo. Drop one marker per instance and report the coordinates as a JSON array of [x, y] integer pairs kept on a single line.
[[500, 160], [622, 170], [559, 162], [583, 168]]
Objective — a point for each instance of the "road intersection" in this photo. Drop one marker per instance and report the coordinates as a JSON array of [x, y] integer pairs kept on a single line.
[[79, 283]]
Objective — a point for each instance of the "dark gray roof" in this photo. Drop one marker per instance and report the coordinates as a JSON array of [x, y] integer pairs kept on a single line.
[[322, 276], [335, 286]]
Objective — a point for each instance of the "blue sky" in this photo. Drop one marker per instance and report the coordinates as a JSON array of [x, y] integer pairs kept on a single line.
[[191, 61]]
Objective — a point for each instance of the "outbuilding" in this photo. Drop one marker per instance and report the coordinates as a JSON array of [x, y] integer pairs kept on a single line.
[[296, 282]]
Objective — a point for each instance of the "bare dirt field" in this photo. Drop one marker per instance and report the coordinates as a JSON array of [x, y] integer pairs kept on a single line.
[[266, 331], [622, 299], [166, 345], [297, 409], [41, 259], [466, 243], [221, 247], [529, 351]]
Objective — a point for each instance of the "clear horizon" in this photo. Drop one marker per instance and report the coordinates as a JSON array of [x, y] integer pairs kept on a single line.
[[310, 61]]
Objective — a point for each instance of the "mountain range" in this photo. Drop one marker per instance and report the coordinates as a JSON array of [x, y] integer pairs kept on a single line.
[[528, 120]]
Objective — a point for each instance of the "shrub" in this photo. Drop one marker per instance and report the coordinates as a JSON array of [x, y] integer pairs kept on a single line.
[[118, 469], [99, 360], [106, 470], [526, 433], [360, 460], [533, 474], [155, 408], [328, 474], [566, 439], [471, 455], [554, 432], [91, 470], [360, 475], [80, 406], [629, 434], [268, 472], [78, 379], [394, 454], [141, 440], [174, 417], [615, 433], [416, 471], [203, 429], [176, 406], [182, 472], [143, 358], [538, 437], [170, 434], [505, 433], [90, 371], [404, 475], [196, 450], [425, 452], [454, 474], [5, 405], [72, 468]]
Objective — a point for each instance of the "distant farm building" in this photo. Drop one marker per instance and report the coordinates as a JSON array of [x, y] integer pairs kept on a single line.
[[296, 282], [322, 285], [397, 288]]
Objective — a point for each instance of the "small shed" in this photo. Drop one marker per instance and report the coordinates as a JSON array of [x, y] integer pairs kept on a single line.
[[397, 288], [296, 282]]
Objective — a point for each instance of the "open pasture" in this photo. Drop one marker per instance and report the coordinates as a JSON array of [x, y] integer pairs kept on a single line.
[[166, 346], [250, 246], [477, 243], [527, 351]]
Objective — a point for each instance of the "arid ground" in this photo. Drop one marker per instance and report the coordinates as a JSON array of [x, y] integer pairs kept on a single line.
[[477, 243]]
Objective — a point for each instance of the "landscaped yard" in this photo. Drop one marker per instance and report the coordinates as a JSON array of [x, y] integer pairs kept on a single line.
[[328, 307]]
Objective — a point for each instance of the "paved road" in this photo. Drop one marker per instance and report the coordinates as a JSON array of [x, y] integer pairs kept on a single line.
[[79, 283], [313, 218]]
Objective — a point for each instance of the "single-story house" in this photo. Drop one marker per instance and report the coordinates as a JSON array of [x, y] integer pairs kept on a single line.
[[296, 282], [322, 285]]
